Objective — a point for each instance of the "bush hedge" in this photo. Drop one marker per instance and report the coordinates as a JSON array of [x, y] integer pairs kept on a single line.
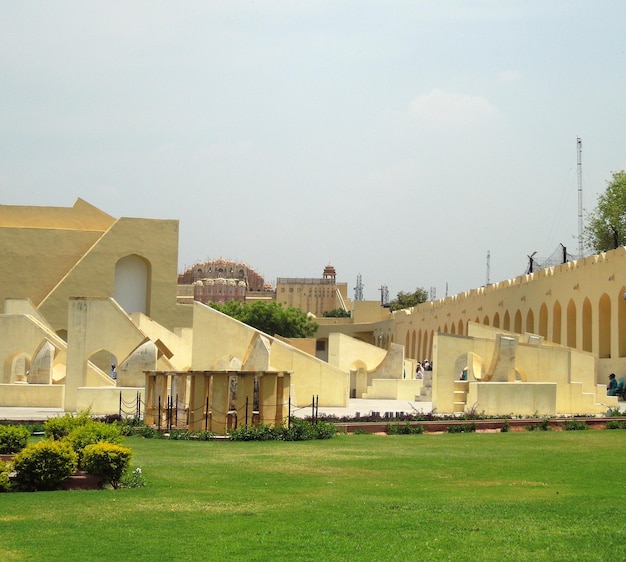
[[107, 460], [90, 433], [13, 438], [44, 465]]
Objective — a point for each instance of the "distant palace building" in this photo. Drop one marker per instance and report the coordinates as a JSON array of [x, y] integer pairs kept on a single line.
[[221, 281], [313, 295]]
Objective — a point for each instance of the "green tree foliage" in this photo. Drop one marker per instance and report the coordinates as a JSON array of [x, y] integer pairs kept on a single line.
[[606, 224], [336, 313], [407, 300], [271, 318]]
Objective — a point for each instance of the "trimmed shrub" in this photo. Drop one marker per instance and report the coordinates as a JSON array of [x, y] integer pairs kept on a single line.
[[13, 438], [404, 429], [44, 465], [58, 428], [324, 430], [5, 483], [107, 460], [259, 432], [298, 430], [462, 428], [575, 425], [90, 433]]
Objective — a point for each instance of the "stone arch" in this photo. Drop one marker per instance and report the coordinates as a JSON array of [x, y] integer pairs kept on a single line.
[[132, 284], [570, 324], [517, 323], [587, 325], [41, 369], [16, 367], [604, 326], [104, 360], [358, 379], [556, 322], [530, 321], [413, 345], [506, 325], [496, 320], [453, 328], [407, 346], [486, 320], [445, 328], [460, 329], [543, 321]]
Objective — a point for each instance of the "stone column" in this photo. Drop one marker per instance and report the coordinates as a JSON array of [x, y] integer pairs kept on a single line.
[[219, 403], [245, 389], [198, 394]]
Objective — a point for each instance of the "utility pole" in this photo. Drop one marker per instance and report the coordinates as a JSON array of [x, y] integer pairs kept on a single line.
[[579, 146], [488, 266]]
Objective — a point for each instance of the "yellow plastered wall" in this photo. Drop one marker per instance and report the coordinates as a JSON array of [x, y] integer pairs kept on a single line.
[[579, 304], [50, 254]]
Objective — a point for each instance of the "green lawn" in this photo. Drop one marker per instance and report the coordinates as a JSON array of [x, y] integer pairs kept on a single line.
[[497, 496]]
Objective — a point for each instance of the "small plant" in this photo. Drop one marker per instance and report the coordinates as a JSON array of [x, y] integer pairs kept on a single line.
[[44, 465], [506, 427], [462, 428], [13, 438], [133, 479], [543, 425], [615, 424], [324, 430], [260, 432], [575, 425], [404, 429], [107, 460], [297, 430], [614, 412]]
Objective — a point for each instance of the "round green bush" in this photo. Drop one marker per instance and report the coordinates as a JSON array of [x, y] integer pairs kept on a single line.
[[44, 465], [13, 438], [90, 433], [57, 428], [107, 460]]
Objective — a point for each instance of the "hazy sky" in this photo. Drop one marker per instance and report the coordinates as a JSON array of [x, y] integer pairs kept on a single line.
[[399, 140]]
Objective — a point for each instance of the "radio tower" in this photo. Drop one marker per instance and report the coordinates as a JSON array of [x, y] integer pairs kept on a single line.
[[579, 146], [358, 290]]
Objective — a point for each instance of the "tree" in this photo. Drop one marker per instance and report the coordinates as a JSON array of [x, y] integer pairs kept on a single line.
[[271, 318], [606, 224], [407, 300]]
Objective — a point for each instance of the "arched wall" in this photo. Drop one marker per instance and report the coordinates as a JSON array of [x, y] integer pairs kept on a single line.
[[578, 304]]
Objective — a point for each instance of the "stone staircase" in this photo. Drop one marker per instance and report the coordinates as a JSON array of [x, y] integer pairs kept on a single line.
[[426, 392]]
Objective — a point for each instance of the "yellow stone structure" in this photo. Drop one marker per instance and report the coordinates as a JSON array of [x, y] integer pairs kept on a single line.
[[86, 296], [89, 307]]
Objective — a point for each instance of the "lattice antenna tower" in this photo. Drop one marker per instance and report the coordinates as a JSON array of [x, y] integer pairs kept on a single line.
[[358, 290], [488, 266], [579, 146], [433, 294], [384, 295]]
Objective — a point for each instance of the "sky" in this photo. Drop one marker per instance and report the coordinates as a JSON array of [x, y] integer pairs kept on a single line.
[[418, 144]]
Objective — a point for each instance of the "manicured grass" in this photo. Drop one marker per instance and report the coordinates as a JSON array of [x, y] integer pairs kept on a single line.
[[498, 496]]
